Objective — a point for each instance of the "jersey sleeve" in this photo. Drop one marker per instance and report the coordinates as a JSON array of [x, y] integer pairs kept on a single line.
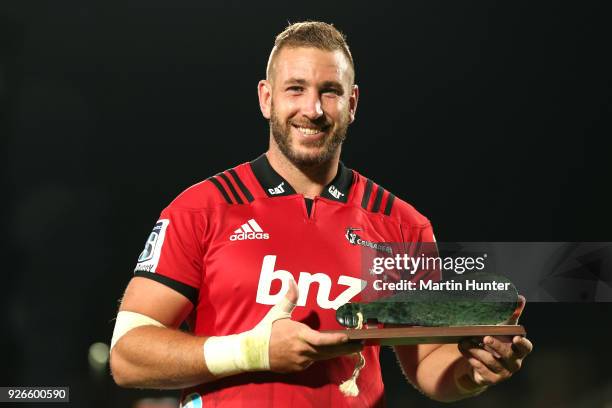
[[421, 243], [426, 234], [174, 251]]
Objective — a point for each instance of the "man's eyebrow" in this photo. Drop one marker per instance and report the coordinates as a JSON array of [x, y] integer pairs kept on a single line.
[[332, 84], [298, 81], [324, 85]]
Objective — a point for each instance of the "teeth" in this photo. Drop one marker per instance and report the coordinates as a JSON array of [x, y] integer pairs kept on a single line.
[[308, 131]]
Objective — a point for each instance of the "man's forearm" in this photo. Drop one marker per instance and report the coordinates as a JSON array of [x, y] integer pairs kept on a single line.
[[156, 357], [445, 375]]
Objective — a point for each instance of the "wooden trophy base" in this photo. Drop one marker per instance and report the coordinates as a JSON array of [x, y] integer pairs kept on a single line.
[[428, 335]]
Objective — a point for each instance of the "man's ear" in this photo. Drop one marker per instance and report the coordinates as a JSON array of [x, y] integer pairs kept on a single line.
[[264, 91], [353, 99]]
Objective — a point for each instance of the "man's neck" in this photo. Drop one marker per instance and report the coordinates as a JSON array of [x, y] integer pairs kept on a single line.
[[308, 181]]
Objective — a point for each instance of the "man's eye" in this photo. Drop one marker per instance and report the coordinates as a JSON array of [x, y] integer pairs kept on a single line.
[[332, 91], [295, 89]]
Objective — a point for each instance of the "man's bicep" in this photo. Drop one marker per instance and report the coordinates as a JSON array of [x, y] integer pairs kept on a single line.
[[156, 300]]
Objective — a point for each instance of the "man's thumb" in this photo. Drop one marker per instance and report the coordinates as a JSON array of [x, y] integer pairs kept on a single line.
[[284, 308], [292, 293]]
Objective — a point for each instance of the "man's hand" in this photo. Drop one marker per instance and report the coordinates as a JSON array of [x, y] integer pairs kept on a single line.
[[495, 358], [294, 346]]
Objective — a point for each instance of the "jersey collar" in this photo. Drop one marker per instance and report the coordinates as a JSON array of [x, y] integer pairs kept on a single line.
[[275, 185]]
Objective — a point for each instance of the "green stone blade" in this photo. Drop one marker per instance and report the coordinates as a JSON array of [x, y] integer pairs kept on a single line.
[[440, 307]]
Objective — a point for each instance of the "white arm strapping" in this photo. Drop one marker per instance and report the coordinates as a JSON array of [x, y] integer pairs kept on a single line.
[[247, 351], [127, 321]]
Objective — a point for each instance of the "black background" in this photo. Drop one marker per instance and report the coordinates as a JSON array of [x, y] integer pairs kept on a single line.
[[490, 117]]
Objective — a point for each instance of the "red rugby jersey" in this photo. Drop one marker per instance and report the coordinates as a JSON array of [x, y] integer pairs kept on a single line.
[[230, 243]]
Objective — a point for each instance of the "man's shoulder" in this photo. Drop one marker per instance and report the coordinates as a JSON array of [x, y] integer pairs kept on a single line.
[[225, 188], [374, 198]]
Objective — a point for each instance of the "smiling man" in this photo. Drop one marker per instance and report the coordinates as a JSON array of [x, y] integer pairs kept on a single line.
[[308, 127], [258, 258]]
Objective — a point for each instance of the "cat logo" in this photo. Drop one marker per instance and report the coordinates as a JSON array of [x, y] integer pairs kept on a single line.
[[335, 192], [277, 190]]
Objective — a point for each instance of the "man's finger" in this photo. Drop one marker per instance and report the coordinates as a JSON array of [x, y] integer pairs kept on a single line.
[[470, 350], [482, 374], [316, 338], [499, 346], [504, 352], [484, 344], [327, 352], [521, 346]]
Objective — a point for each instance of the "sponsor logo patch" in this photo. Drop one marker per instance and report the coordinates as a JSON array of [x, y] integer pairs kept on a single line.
[[323, 286], [193, 400], [248, 231], [280, 189], [149, 257], [335, 192], [354, 239]]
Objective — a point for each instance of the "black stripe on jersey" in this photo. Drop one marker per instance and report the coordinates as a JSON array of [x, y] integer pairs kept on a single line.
[[378, 198], [241, 186], [189, 292], [221, 189], [366, 195], [389, 204], [231, 187]]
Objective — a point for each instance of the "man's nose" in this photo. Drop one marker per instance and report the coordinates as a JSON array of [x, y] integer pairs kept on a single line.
[[311, 107]]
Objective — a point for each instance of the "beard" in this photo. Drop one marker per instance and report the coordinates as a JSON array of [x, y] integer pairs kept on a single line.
[[325, 148]]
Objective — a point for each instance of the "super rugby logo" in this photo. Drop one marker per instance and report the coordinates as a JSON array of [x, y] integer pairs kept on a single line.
[[149, 257], [305, 279], [249, 230], [354, 239]]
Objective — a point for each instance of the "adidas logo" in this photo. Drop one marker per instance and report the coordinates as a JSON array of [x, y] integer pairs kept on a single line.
[[249, 230]]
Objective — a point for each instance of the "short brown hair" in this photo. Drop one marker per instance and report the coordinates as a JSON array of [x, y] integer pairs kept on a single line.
[[314, 34]]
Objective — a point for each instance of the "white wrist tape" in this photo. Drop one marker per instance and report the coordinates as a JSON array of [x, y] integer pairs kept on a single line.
[[247, 351], [127, 321]]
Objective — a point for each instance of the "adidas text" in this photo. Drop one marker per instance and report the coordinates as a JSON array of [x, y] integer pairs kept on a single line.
[[249, 230], [249, 235]]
